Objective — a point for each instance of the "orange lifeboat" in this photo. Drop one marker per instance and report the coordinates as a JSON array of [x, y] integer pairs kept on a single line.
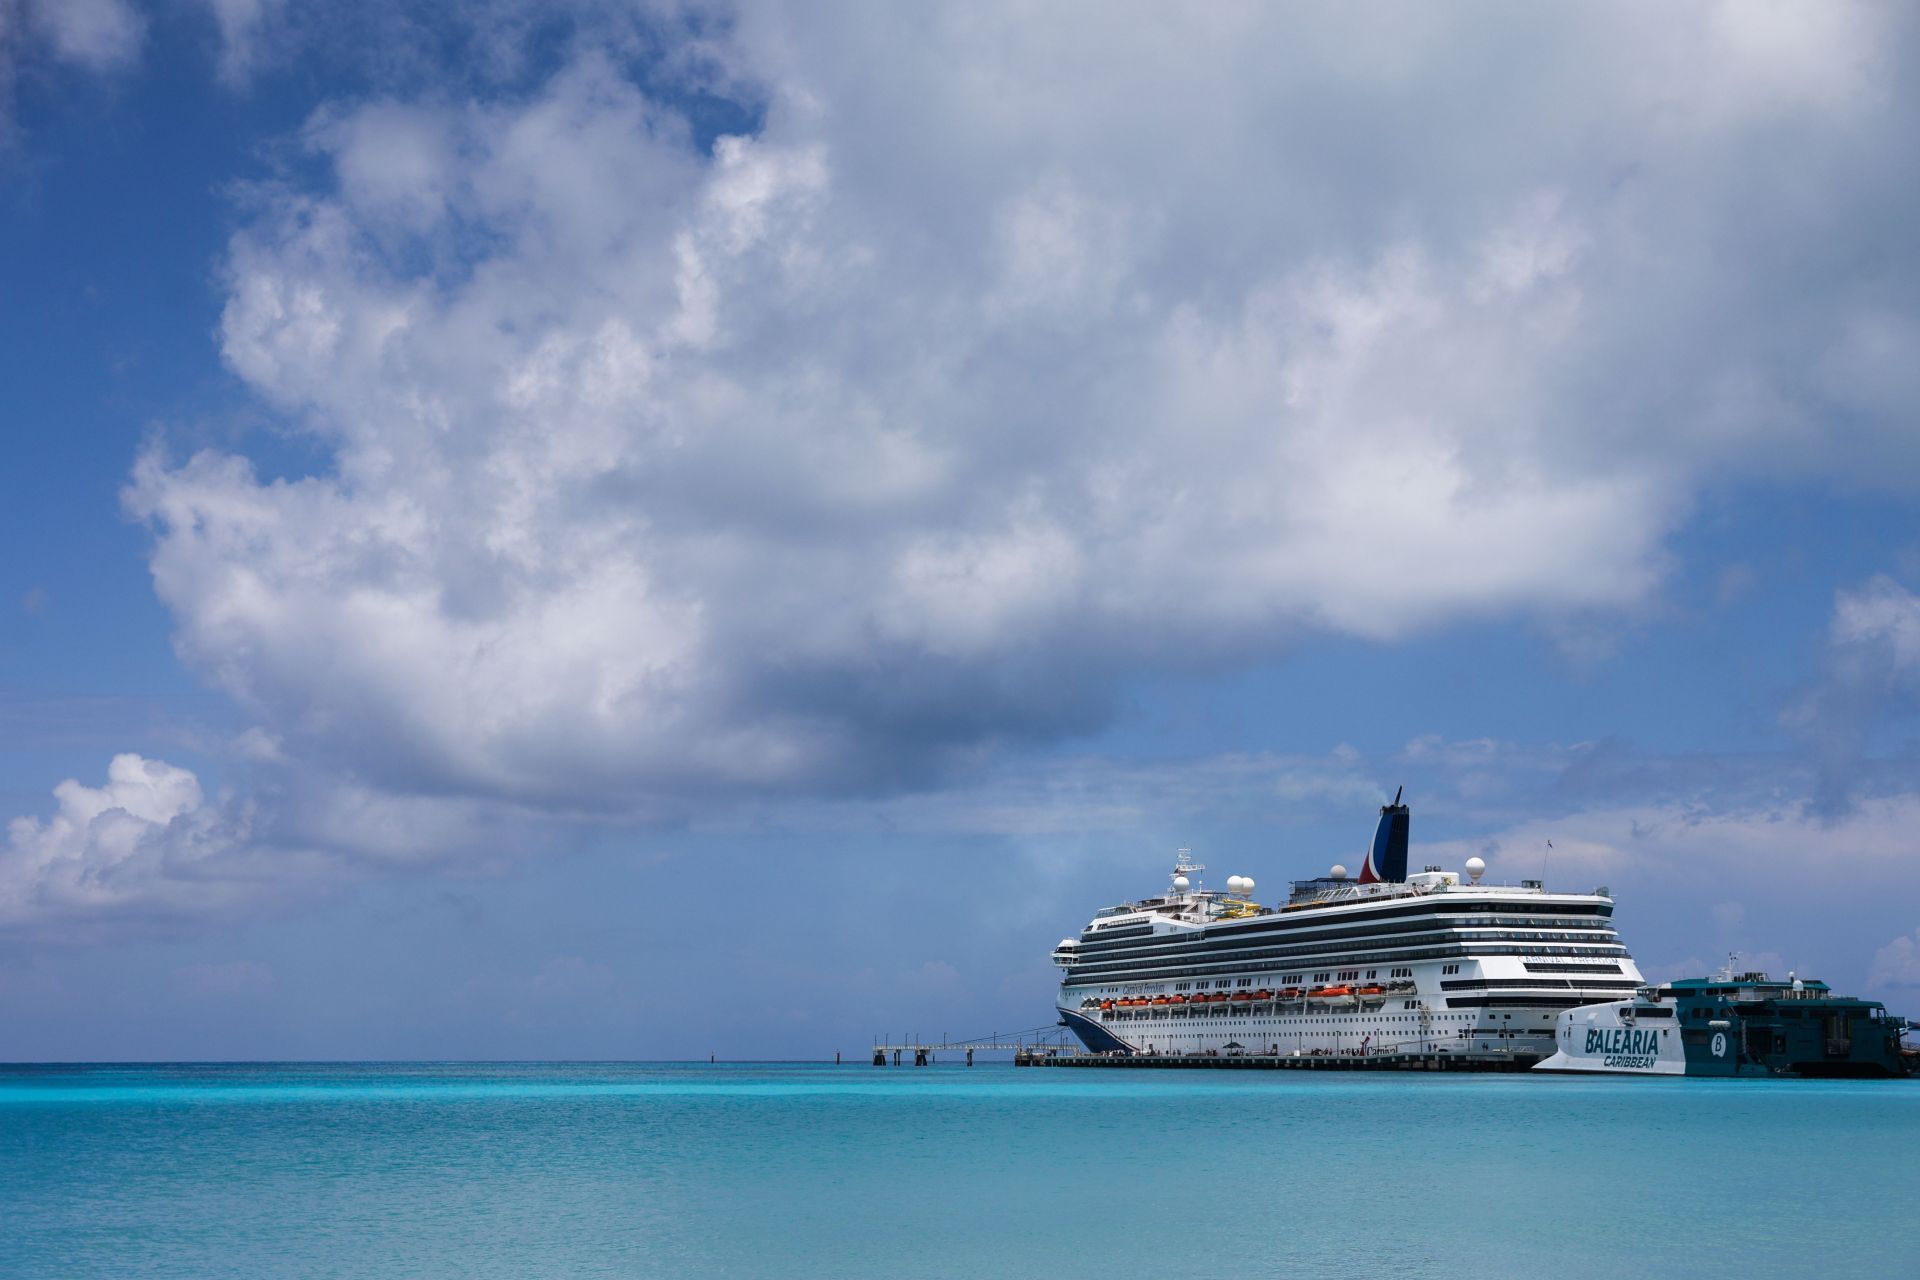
[[1159, 1000], [1106, 1004], [1263, 994], [1336, 991], [1176, 999], [1373, 991]]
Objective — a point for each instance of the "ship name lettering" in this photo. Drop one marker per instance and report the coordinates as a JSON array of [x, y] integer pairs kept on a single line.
[[1624, 1042]]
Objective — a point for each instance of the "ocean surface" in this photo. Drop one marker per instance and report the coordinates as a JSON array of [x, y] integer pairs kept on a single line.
[[797, 1171]]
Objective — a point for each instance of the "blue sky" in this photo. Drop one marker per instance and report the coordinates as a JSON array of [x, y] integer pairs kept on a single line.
[[597, 529]]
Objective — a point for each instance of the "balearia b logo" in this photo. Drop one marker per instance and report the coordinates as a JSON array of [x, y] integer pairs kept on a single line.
[[1719, 1044], [1630, 1047]]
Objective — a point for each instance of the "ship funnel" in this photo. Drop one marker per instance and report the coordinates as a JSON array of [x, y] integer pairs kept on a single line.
[[1389, 854]]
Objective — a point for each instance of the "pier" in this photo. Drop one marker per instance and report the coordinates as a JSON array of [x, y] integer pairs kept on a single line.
[[1034, 1041], [1385, 1061], [1052, 1046]]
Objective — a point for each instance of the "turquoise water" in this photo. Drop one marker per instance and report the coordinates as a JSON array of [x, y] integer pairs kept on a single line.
[[666, 1170]]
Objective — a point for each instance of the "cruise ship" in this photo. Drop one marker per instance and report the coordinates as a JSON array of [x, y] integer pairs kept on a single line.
[[1379, 963]]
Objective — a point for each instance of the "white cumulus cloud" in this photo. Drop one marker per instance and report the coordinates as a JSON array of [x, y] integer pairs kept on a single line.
[[1897, 964], [989, 361], [149, 841], [150, 848], [982, 373], [1882, 617]]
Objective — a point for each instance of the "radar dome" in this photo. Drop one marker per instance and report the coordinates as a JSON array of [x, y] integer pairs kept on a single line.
[[1339, 872], [1246, 884], [1476, 867], [1236, 885], [1180, 883]]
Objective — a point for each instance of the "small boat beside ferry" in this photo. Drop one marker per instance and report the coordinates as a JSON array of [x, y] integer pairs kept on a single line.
[[1733, 1025]]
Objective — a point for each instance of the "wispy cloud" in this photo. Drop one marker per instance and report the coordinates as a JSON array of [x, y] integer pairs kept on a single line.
[[101, 35], [243, 26], [1870, 678], [94, 36], [1095, 796]]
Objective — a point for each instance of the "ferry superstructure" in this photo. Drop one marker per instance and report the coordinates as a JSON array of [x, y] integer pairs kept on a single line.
[[1386, 963]]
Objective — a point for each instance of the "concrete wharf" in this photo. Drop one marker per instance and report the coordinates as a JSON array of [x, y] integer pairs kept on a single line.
[[1049, 1047], [1483, 1062]]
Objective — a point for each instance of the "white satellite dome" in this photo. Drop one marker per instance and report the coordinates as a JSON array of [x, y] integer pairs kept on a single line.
[[1339, 872], [1180, 884], [1236, 885], [1246, 884], [1476, 867]]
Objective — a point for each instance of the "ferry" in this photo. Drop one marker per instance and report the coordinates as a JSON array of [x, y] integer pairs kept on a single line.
[[1728, 1025], [1405, 966]]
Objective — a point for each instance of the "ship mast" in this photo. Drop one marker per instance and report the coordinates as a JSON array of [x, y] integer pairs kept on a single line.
[[1183, 868]]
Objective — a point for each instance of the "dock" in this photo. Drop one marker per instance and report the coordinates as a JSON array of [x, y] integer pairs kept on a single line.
[[1053, 1046], [1023, 1045], [1481, 1062]]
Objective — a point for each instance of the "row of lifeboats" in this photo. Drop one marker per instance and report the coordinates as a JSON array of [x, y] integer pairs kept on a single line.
[[1247, 997]]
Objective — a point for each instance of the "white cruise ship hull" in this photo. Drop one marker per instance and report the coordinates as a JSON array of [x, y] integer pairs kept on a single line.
[[1439, 1009]]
